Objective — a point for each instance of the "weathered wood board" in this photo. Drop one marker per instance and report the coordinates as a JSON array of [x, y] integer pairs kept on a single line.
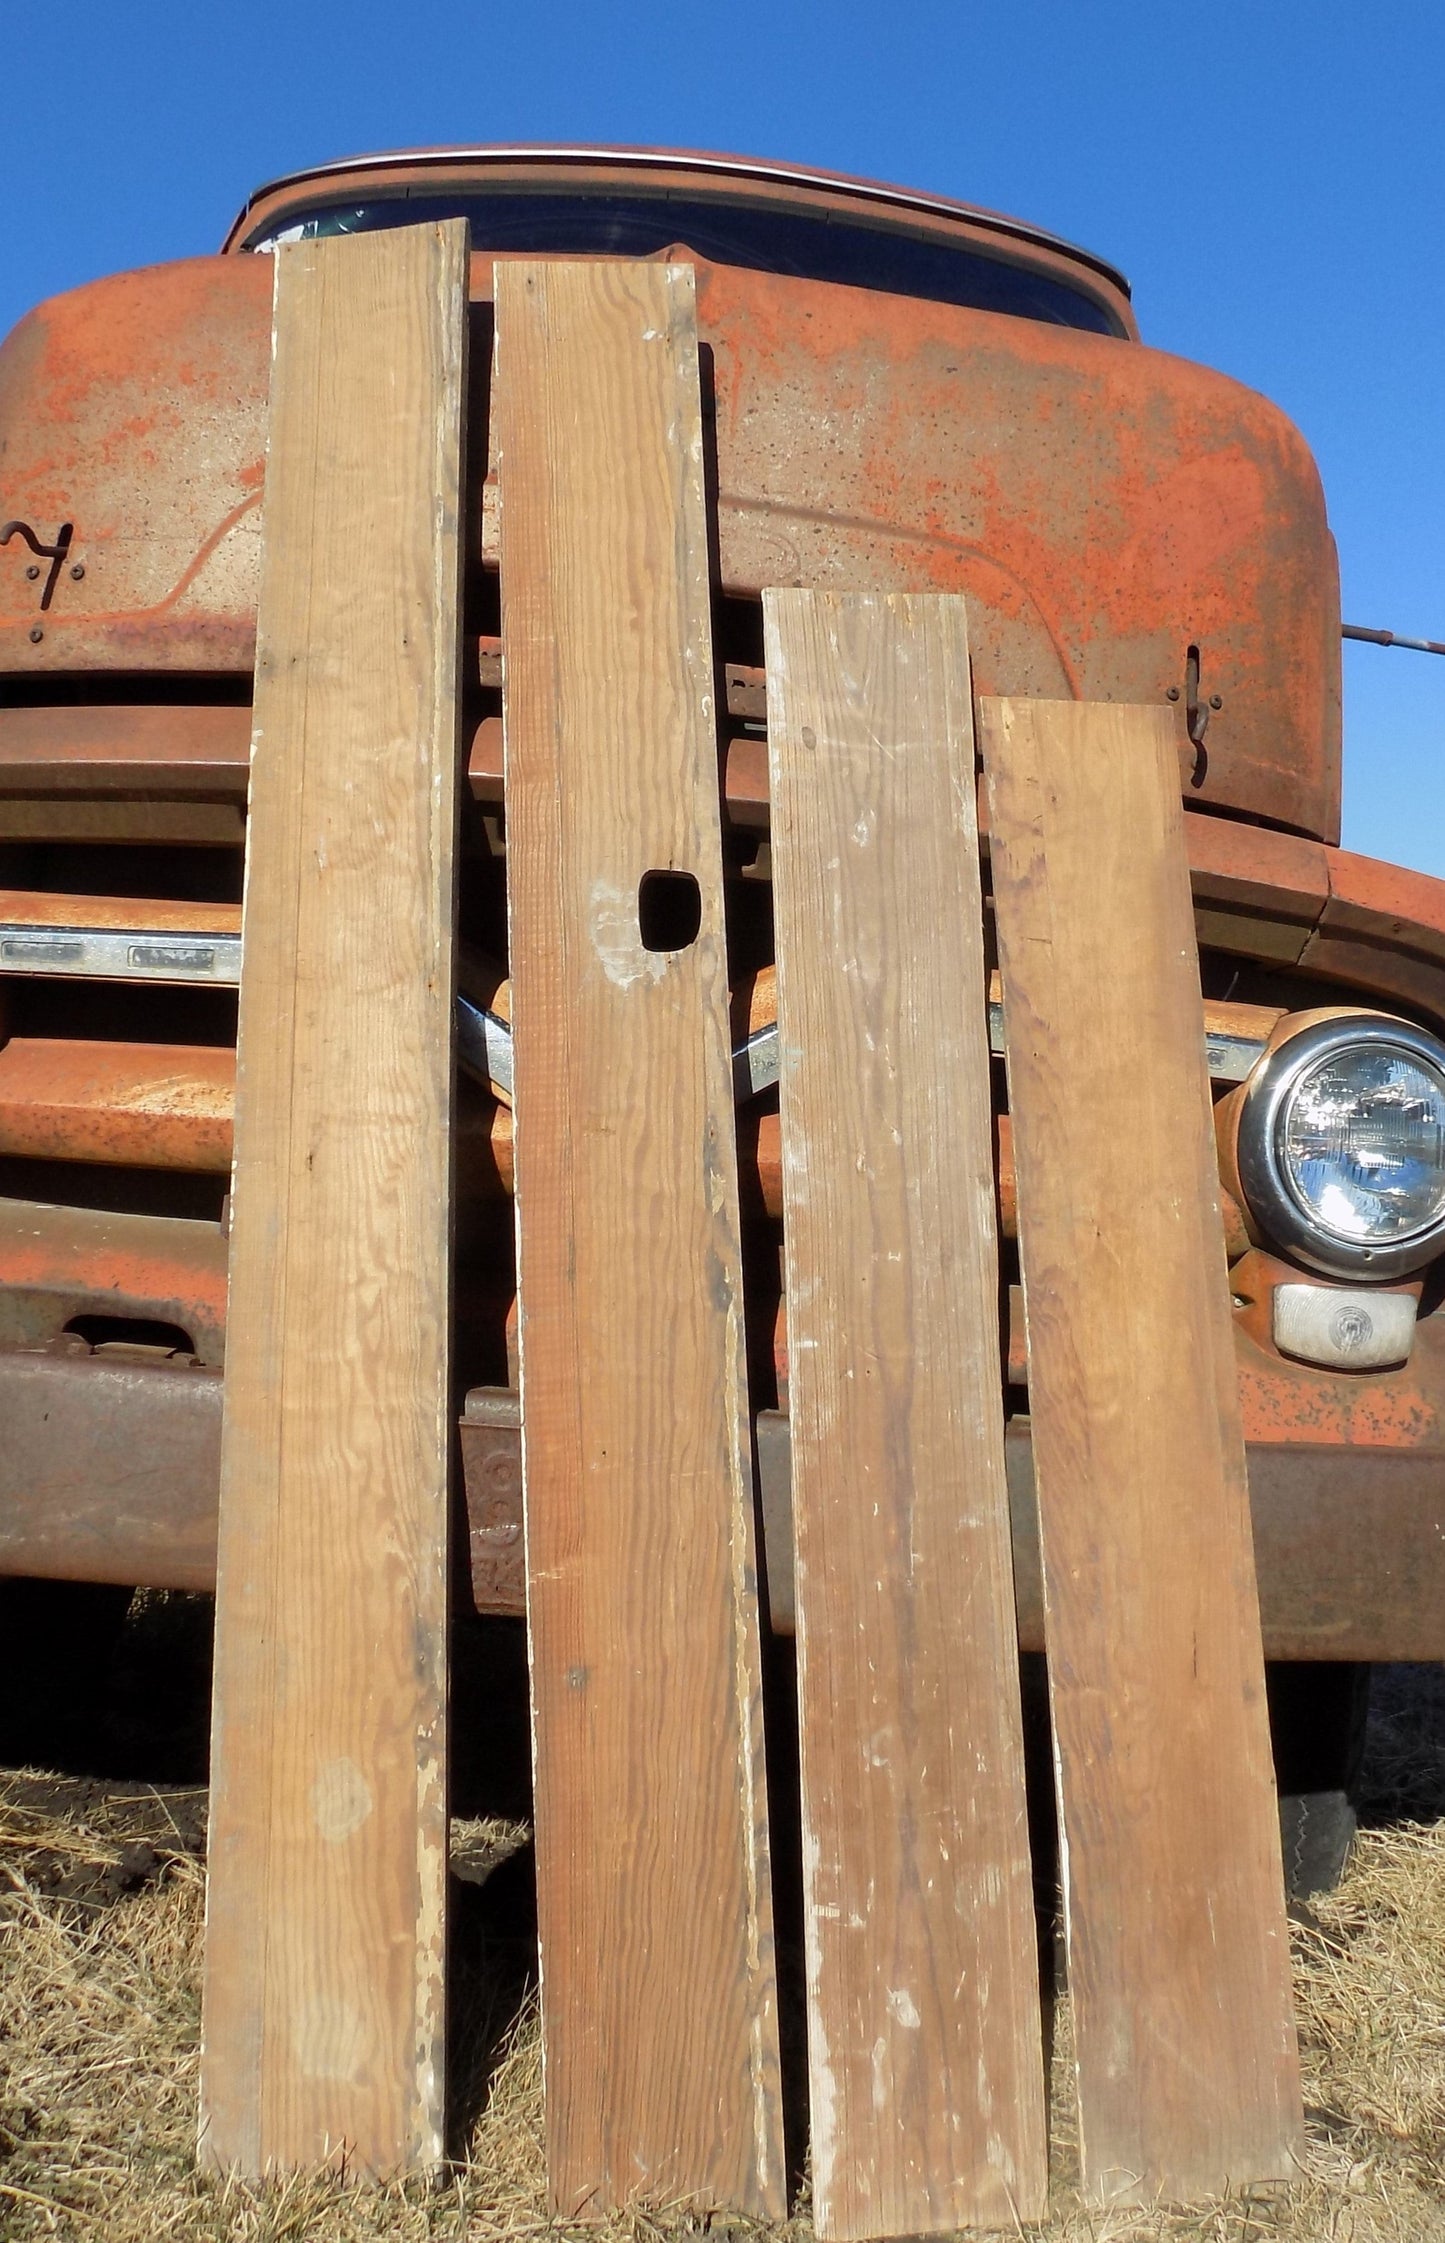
[[924, 2033], [324, 2012], [1178, 1954], [658, 2002]]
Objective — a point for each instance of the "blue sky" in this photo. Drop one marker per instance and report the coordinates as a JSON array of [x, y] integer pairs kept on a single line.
[[1269, 176]]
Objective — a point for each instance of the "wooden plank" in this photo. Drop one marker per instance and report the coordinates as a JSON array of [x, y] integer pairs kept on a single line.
[[658, 2001], [924, 2034], [323, 2025], [1178, 1955]]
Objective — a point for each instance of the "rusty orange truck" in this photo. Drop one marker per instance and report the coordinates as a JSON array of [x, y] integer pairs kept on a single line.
[[903, 392]]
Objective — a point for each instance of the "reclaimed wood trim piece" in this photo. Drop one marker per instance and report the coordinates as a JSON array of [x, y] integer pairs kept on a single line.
[[324, 2010], [658, 2003], [1178, 1954], [924, 2032]]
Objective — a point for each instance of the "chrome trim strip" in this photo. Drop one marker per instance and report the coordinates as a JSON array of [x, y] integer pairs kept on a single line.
[[484, 1045], [121, 954], [756, 1064], [484, 1041], [1230, 1059]]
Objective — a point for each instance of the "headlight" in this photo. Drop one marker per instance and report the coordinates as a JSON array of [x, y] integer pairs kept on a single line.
[[1342, 1146]]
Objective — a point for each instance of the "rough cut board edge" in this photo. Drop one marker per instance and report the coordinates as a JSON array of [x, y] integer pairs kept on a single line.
[[842, 670], [761, 2192], [1267, 2133], [235, 2131]]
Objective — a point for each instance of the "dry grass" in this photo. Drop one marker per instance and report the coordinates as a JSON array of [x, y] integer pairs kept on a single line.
[[99, 2025]]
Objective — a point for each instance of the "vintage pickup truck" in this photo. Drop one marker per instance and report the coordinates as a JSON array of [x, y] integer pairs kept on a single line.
[[902, 392]]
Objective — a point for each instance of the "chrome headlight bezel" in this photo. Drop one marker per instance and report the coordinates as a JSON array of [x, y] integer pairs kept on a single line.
[[1263, 1174]]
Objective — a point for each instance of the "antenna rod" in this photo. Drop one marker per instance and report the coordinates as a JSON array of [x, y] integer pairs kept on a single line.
[[1391, 638]]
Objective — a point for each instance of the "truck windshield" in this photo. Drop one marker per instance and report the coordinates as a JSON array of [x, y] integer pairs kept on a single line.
[[766, 237]]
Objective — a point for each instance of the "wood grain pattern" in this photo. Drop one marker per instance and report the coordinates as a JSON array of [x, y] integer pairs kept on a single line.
[[1178, 1956], [658, 2000], [323, 2025], [924, 2034]]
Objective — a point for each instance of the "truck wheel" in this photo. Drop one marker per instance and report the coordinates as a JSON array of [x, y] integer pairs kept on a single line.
[[1317, 1724]]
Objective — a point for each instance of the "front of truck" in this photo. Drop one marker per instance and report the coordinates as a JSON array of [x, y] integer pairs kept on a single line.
[[904, 393]]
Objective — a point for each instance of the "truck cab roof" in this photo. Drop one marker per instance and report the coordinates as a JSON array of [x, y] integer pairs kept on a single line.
[[768, 217]]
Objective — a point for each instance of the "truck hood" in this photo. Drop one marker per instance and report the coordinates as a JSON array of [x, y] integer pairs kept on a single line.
[[1105, 508]]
